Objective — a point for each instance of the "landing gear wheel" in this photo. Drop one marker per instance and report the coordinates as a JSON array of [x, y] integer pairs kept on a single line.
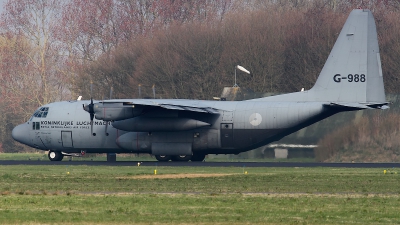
[[181, 158], [163, 158], [55, 156], [198, 157]]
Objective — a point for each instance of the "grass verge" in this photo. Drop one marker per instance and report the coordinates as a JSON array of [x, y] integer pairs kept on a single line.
[[193, 195]]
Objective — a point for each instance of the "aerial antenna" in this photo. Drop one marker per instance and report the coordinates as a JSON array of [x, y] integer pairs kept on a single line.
[[242, 69], [140, 91], [154, 91]]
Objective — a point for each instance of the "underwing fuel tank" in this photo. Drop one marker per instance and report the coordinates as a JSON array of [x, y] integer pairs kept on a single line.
[[156, 124]]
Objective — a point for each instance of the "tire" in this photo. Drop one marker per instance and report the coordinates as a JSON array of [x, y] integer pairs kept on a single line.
[[181, 158], [163, 158], [198, 157], [55, 156]]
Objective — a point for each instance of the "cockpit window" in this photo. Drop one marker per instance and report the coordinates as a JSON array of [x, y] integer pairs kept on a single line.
[[41, 112]]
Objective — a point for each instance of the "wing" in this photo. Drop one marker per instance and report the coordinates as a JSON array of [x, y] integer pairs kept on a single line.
[[129, 108]]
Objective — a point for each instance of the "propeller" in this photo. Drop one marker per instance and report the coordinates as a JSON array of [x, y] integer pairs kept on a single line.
[[90, 109], [91, 113]]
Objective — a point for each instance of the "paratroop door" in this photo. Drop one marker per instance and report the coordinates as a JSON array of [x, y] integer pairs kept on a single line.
[[66, 137]]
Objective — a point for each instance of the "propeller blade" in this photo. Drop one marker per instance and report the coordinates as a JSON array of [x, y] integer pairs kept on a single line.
[[90, 109], [91, 127], [91, 113]]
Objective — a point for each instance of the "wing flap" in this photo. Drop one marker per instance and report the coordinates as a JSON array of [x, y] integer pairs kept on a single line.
[[190, 108], [172, 107]]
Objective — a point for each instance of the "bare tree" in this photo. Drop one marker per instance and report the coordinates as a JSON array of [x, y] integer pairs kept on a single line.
[[31, 23]]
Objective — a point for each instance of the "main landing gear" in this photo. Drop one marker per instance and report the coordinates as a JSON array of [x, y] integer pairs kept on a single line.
[[181, 158], [55, 156]]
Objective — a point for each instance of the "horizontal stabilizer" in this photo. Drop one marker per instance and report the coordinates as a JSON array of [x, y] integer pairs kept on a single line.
[[377, 105], [357, 106]]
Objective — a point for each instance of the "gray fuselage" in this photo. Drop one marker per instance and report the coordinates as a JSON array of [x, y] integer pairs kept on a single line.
[[239, 127]]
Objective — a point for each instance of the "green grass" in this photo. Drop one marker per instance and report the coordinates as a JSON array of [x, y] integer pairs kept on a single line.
[[114, 195], [122, 179], [204, 209]]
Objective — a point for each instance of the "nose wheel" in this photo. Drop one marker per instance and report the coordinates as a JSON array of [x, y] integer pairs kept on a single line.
[[55, 156]]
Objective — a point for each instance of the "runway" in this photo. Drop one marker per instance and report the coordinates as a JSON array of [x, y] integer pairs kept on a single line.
[[198, 164]]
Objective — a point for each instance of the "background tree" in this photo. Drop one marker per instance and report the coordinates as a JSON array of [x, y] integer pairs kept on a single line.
[[32, 22]]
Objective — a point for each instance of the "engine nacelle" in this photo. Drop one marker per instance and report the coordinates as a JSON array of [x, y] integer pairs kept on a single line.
[[116, 111], [158, 124]]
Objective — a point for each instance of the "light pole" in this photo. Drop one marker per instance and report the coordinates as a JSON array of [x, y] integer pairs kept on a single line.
[[242, 69]]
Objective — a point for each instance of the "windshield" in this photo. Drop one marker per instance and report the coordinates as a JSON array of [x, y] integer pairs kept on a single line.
[[40, 113]]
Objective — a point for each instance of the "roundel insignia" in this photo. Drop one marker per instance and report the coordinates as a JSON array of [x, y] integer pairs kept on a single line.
[[255, 119]]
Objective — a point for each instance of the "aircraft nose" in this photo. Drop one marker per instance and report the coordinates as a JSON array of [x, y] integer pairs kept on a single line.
[[20, 133]]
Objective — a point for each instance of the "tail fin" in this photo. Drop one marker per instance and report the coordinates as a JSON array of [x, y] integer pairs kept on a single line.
[[353, 70]]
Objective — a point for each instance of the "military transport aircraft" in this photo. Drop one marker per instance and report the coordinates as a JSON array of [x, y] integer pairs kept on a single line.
[[173, 129]]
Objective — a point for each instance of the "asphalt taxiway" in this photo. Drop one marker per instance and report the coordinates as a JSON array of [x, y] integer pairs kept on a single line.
[[200, 164]]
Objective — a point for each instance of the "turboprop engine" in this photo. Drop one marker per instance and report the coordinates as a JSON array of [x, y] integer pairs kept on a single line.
[[113, 111], [158, 124]]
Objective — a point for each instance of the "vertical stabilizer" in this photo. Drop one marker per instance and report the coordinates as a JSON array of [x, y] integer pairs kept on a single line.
[[353, 70]]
